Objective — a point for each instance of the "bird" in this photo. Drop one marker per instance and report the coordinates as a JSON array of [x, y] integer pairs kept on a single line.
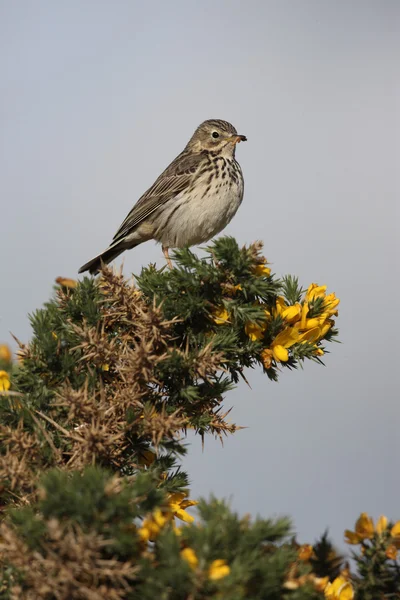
[[193, 200]]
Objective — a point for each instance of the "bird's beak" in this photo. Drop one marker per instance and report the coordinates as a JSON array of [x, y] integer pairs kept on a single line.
[[235, 139]]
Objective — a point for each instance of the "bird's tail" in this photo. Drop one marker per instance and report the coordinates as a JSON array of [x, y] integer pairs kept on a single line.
[[105, 257]]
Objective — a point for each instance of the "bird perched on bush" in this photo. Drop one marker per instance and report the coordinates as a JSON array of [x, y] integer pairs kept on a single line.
[[190, 202]]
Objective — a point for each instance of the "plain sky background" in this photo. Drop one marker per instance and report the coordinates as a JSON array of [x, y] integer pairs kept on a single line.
[[97, 97]]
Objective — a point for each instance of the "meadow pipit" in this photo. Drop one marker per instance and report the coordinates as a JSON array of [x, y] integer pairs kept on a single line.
[[191, 201]]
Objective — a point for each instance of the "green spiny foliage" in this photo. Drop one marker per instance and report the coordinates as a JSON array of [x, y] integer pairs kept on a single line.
[[91, 431], [84, 537], [378, 570], [325, 560]]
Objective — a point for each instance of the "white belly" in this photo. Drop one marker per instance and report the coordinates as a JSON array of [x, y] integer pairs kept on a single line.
[[194, 218]]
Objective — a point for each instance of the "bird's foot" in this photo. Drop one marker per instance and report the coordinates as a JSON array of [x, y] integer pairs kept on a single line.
[[167, 258]]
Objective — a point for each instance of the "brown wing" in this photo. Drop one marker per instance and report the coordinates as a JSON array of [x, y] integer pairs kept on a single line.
[[175, 179]]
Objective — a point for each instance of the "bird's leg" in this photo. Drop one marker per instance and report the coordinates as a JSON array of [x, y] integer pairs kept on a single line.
[[167, 258]]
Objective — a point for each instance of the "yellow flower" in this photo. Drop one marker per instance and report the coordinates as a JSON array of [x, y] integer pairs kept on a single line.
[[330, 304], [189, 555], [320, 583], [218, 569], [266, 357], [303, 330], [304, 312], [220, 316], [381, 524], [326, 327], [4, 381], [339, 589], [285, 339], [5, 353], [395, 533], [152, 526], [230, 290], [312, 335], [351, 537], [365, 526], [177, 530], [315, 328], [105, 367], [291, 313], [178, 504], [364, 529], [330, 300], [280, 305], [280, 353], [262, 271], [255, 331], [391, 552], [65, 282], [312, 323], [305, 552], [315, 291]]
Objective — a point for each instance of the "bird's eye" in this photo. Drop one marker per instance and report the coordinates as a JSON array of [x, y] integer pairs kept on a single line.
[[215, 134]]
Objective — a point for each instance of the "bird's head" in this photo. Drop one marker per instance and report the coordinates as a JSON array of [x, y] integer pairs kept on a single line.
[[217, 136]]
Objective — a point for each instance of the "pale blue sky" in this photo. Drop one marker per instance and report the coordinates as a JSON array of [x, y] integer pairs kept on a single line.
[[96, 98]]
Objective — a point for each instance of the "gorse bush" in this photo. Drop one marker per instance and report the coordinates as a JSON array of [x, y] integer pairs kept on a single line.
[[93, 419]]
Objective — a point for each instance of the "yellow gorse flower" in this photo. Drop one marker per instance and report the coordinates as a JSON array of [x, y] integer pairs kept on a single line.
[[339, 589], [178, 504], [305, 552], [315, 291], [320, 583], [291, 313], [177, 530], [152, 525], [294, 583], [365, 530], [231, 290], [381, 525], [4, 381], [189, 555], [255, 331], [262, 270], [266, 357], [284, 340], [5, 353], [297, 327], [395, 531], [66, 282], [314, 329], [395, 534], [218, 569], [391, 552], [351, 537], [220, 316]]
